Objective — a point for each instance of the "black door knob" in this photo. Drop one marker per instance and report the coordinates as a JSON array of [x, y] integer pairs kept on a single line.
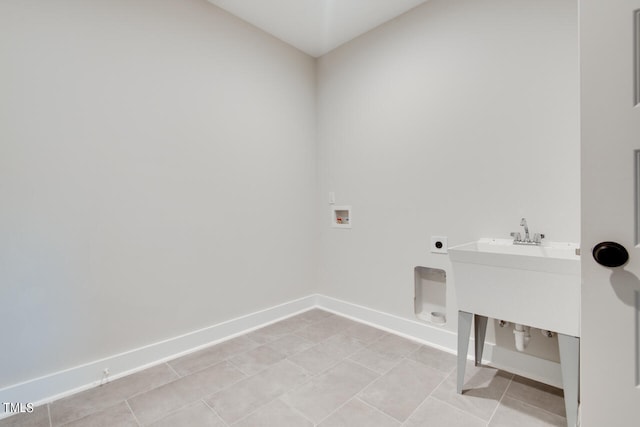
[[610, 254]]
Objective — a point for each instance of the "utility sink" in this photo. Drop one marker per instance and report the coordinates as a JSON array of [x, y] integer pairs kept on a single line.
[[531, 283], [534, 285]]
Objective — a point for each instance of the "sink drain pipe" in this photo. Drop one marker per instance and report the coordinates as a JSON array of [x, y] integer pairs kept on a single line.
[[522, 336]]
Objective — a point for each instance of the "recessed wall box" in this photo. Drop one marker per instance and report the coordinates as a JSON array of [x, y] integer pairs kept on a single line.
[[341, 216], [431, 295]]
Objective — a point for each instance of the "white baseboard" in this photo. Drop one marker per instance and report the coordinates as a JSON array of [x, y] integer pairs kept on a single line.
[[69, 381], [412, 329], [63, 383]]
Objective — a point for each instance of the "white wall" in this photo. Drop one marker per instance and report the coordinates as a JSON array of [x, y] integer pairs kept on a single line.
[[157, 175], [456, 119], [158, 165]]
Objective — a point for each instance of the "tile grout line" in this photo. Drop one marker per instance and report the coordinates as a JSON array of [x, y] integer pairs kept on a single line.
[[377, 409], [299, 413], [360, 364], [196, 371], [535, 407], [173, 370], [230, 362], [168, 414], [93, 413], [232, 383], [425, 399], [447, 373], [194, 401], [253, 411], [504, 393], [317, 374], [225, 357], [261, 406], [133, 413], [286, 355], [140, 393], [379, 354], [49, 412], [354, 395], [311, 374], [459, 409], [295, 410], [337, 361], [396, 363], [341, 406], [215, 412], [415, 351]]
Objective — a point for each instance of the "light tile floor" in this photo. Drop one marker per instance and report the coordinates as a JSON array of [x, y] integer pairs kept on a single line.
[[313, 369]]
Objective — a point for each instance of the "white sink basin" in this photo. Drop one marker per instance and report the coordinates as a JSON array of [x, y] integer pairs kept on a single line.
[[537, 286]]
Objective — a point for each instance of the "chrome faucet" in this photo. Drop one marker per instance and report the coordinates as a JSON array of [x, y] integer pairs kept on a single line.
[[517, 237], [523, 223]]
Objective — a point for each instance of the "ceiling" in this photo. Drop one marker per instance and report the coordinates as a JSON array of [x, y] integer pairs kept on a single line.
[[316, 26]]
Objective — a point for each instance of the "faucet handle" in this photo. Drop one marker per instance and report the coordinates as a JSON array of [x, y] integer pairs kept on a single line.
[[517, 237], [537, 238]]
